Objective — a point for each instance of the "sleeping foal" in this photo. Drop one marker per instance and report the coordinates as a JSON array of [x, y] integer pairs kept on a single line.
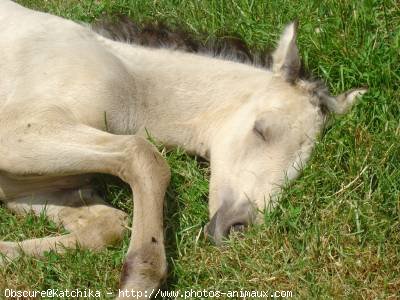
[[257, 127]]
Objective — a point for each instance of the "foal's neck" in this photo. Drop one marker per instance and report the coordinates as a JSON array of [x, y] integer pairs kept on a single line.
[[183, 99]]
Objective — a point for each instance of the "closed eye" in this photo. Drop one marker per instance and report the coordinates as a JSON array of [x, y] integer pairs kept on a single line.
[[258, 132]]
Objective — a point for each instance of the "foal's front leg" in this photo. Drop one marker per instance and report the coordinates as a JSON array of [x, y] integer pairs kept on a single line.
[[81, 149], [145, 265]]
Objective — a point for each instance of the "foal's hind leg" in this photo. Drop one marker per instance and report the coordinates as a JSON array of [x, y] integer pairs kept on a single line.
[[90, 221], [78, 149]]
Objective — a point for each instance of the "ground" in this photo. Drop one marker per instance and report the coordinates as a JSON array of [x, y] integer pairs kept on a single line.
[[336, 231]]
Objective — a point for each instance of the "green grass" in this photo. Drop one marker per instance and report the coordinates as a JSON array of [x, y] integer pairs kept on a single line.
[[336, 231]]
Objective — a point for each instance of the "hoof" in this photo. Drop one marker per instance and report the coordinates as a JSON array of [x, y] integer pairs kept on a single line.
[[9, 249], [142, 274], [8, 252]]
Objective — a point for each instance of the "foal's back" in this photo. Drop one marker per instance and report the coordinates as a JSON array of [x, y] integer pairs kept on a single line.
[[55, 65]]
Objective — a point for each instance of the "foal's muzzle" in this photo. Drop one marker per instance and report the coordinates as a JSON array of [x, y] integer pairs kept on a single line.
[[229, 219]]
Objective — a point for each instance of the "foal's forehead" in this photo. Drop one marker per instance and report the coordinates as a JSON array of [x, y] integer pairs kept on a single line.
[[292, 105], [287, 97]]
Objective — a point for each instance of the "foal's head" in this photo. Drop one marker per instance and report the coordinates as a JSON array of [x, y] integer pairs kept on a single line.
[[267, 141]]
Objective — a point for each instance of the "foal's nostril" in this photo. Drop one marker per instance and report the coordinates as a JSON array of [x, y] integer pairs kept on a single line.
[[237, 227], [227, 220]]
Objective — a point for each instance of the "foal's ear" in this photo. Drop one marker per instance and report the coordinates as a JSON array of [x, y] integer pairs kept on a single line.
[[342, 103], [345, 101], [286, 60]]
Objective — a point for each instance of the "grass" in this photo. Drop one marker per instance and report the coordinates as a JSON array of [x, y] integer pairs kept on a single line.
[[336, 231]]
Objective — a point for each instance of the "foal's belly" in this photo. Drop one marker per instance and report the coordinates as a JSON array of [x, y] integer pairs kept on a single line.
[[12, 187]]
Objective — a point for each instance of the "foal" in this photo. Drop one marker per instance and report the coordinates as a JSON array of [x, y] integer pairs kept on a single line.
[[59, 80]]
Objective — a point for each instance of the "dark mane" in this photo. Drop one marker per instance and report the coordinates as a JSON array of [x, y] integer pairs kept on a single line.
[[230, 47], [159, 35]]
